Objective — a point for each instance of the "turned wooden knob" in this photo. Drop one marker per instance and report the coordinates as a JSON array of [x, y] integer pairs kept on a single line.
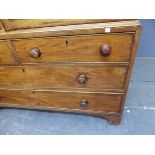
[[82, 79], [84, 103], [35, 53], [105, 50]]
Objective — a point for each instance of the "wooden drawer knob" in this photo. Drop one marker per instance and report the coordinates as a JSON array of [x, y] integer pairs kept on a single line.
[[105, 50], [35, 53], [82, 79], [84, 103]]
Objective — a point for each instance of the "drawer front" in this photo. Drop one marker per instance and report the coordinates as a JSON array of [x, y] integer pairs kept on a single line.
[[6, 56], [65, 76], [93, 48], [64, 100]]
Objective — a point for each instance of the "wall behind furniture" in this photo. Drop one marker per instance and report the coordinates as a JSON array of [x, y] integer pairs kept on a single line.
[[147, 41]]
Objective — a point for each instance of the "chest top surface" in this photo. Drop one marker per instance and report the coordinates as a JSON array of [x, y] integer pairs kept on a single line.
[[12, 24]]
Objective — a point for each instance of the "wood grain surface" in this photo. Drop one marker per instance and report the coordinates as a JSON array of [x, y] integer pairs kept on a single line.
[[11, 24], [97, 102], [76, 49], [6, 56], [64, 76], [70, 30]]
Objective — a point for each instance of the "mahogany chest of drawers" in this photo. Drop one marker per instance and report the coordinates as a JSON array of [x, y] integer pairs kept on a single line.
[[81, 66]]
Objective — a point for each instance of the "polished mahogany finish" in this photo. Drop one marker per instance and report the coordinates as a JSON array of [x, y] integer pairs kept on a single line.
[[67, 65], [105, 50]]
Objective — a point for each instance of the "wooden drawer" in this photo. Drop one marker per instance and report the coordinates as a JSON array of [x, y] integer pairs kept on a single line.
[[11, 24], [78, 101], [99, 76], [75, 48], [6, 56]]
